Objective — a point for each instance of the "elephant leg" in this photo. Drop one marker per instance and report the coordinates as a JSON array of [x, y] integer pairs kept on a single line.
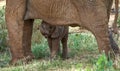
[[100, 30], [65, 49], [27, 35], [15, 42], [20, 39], [106, 43], [55, 48], [50, 44], [19, 31]]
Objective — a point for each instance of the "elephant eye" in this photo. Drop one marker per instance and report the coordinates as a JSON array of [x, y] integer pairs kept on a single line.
[[44, 26], [50, 27]]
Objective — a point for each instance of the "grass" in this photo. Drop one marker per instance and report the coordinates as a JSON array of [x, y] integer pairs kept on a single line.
[[83, 53]]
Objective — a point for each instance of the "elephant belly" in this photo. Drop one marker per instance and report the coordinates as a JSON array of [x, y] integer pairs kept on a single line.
[[52, 11], [67, 12]]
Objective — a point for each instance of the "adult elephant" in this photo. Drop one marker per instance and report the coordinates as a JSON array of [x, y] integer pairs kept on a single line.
[[20, 14]]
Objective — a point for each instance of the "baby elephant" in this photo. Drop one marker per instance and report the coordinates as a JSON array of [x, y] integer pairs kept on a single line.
[[54, 35]]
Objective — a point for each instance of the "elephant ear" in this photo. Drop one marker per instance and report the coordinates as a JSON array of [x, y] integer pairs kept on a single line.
[[41, 29], [58, 31], [44, 28]]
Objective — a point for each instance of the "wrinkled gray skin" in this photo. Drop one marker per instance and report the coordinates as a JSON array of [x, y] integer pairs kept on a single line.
[[55, 35], [90, 14]]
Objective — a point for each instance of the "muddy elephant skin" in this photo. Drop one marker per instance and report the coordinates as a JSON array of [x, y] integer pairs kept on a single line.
[[90, 14], [55, 35]]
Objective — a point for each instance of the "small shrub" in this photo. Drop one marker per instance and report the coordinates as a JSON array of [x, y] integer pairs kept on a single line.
[[40, 50], [36, 36], [82, 42], [103, 64], [3, 31]]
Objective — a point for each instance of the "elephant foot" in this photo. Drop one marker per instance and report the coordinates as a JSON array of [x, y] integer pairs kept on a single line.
[[16, 61], [53, 57], [13, 61], [22, 60], [65, 57]]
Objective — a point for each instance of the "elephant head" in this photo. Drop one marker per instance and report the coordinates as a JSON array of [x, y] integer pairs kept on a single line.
[[51, 31]]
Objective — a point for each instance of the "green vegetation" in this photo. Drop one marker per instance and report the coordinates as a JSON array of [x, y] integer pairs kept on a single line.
[[118, 22], [40, 50], [83, 56], [36, 37], [3, 31]]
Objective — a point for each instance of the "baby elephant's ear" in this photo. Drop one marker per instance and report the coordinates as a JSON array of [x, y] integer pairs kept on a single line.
[[57, 32], [41, 29]]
